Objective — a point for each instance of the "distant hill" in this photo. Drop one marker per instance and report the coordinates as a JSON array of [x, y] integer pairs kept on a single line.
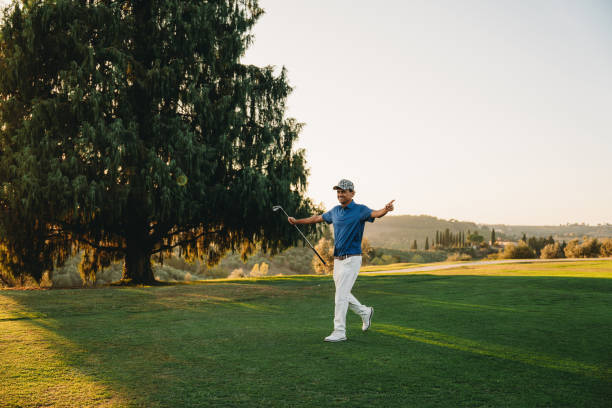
[[559, 233], [399, 231]]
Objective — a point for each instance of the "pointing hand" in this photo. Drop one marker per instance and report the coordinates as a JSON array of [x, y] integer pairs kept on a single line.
[[389, 206]]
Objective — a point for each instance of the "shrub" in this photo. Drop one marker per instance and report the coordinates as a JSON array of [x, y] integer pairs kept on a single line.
[[325, 248], [606, 248], [259, 270], [590, 248], [376, 261], [67, 276], [572, 249], [367, 252], [406, 256], [195, 266], [417, 259], [111, 274], [162, 275], [459, 257], [520, 251], [63, 281], [552, 251], [237, 273], [388, 259], [216, 273]]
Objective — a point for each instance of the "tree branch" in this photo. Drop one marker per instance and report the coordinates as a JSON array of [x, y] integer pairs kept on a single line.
[[79, 236], [185, 241], [101, 247]]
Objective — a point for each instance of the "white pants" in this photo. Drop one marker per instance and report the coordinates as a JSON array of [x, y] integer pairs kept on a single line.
[[345, 275]]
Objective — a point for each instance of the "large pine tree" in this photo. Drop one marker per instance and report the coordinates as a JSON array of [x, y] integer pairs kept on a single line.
[[131, 128]]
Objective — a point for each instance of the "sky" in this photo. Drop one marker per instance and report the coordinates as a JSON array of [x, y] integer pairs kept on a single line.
[[476, 110], [492, 111]]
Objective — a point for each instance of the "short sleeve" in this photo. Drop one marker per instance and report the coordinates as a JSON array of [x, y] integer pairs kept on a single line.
[[327, 217], [366, 214]]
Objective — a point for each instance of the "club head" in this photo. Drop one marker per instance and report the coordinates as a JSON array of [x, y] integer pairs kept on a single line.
[[276, 208]]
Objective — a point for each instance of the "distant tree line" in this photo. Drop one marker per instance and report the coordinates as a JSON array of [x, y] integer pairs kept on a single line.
[[400, 231], [588, 248], [447, 239], [385, 256], [548, 248]]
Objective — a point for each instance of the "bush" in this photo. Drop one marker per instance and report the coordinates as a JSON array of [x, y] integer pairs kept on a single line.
[[376, 261], [388, 259], [458, 257], [168, 273], [417, 259], [606, 248], [259, 270], [237, 273], [572, 249], [367, 252], [552, 251], [68, 276], [396, 255], [325, 248], [175, 262], [111, 274], [590, 248], [520, 251]]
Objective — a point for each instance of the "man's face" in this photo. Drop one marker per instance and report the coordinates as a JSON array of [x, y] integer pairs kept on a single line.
[[345, 196]]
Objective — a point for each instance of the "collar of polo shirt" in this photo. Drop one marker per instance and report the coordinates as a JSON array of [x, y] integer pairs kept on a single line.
[[350, 205]]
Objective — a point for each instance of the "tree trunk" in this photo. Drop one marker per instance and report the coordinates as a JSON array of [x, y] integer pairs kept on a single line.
[[137, 267]]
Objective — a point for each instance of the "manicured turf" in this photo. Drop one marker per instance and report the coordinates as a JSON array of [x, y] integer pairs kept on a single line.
[[436, 341]]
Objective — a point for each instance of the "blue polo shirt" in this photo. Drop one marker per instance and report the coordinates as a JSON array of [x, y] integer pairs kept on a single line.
[[349, 223]]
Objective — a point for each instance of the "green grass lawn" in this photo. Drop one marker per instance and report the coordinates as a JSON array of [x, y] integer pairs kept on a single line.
[[436, 341]]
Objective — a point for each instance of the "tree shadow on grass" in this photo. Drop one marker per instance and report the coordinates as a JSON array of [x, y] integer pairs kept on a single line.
[[145, 345]]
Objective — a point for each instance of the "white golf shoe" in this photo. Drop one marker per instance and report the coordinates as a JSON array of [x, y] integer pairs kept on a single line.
[[367, 320], [335, 337]]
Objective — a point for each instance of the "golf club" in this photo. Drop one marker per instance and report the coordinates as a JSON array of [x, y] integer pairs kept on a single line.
[[278, 207]]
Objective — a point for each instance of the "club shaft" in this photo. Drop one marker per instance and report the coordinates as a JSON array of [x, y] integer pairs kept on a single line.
[[306, 239]]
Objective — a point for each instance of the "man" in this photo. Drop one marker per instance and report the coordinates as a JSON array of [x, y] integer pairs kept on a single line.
[[349, 220]]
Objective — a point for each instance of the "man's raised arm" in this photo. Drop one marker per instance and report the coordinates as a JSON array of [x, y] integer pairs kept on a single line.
[[310, 220], [383, 211]]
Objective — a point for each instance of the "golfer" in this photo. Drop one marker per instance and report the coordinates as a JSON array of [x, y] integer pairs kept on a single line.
[[349, 220]]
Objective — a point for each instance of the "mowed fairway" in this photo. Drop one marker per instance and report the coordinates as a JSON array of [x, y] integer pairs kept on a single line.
[[449, 340]]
